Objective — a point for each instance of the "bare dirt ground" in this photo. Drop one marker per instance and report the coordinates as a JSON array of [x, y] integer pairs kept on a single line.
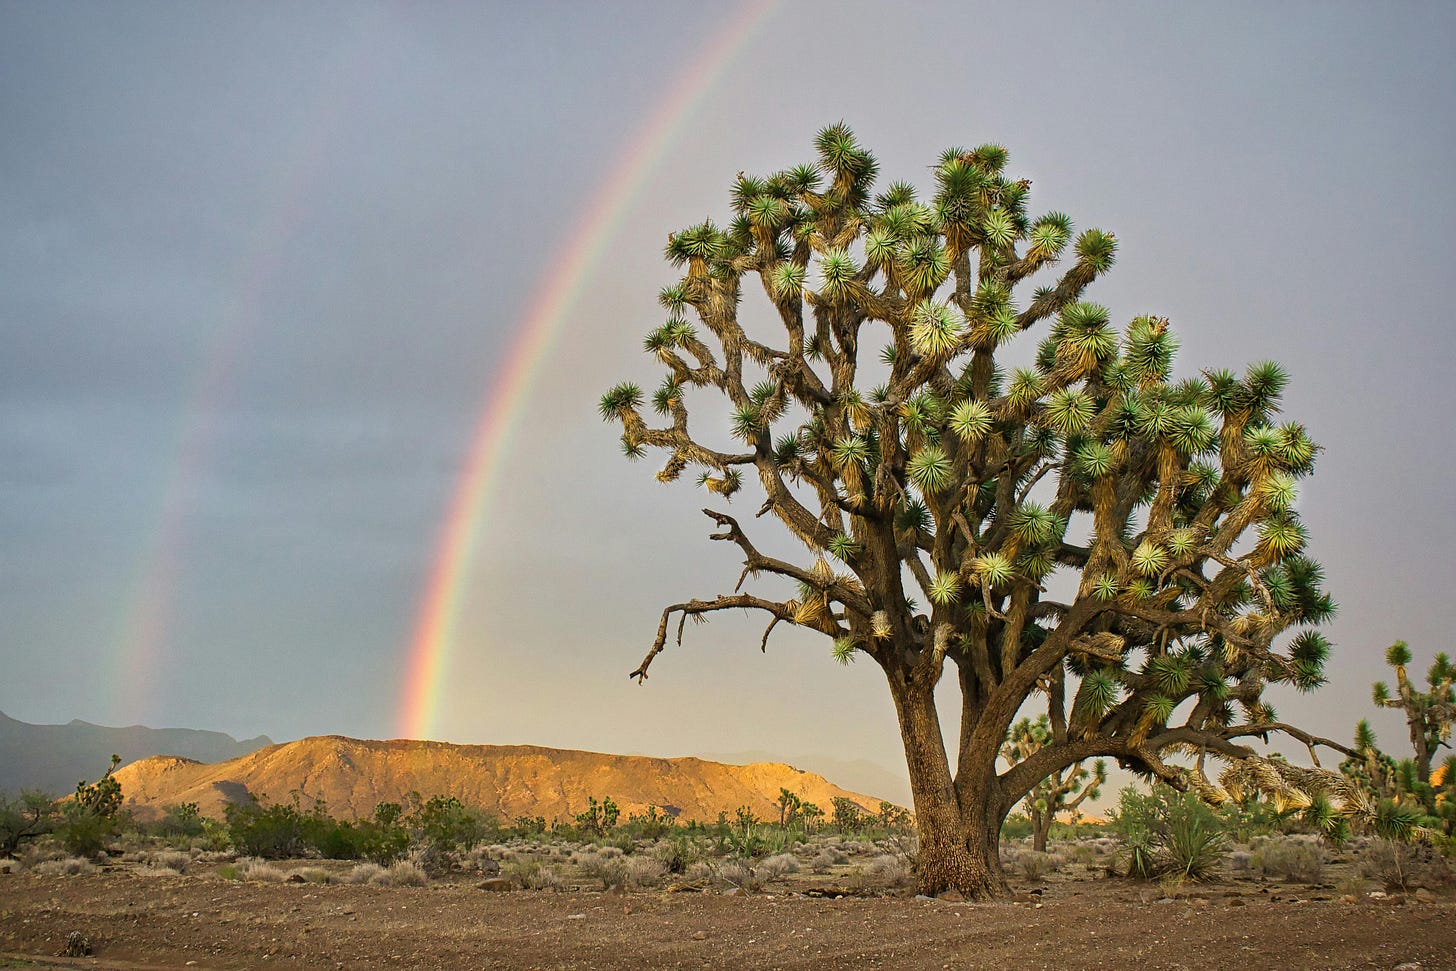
[[136, 921]]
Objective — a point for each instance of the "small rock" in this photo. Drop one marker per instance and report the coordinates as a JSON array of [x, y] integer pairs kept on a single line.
[[700, 935], [733, 892], [1424, 896], [1409, 966], [297, 878], [921, 896], [496, 883], [953, 897], [1238, 902], [576, 916], [1377, 895], [1164, 900], [1348, 898]]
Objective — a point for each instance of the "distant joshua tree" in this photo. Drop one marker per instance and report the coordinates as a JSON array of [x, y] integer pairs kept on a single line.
[[1429, 714], [1084, 532], [1061, 792]]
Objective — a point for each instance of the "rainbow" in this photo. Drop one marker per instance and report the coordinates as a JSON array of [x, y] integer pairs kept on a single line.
[[555, 296], [148, 612]]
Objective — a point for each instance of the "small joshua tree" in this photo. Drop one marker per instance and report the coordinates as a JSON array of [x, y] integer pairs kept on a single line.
[[1062, 791], [1429, 714], [939, 491]]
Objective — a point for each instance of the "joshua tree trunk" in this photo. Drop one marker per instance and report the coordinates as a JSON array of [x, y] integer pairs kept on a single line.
[[1041, 828], [959, 825]]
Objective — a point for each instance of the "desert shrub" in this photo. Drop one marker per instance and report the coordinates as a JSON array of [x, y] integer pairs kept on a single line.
[[1193, 845], [1165, 831], [216, 837], [26, 817], [311, 875], [826, 859], [84, 832], [180, 821], [364, 873], [1034, 865], [609, 870], [259, 871], [779, 865], [699, 872], [1016, 827], [530, 873], [67, 867], [543, 877], [273, 832], [1297, 861], [645, 872], [738, 874], [402, 874], [678, 854], [1405, 866], [890, 869], [447, 824], [431, 858], [229, 871], [170, 860]]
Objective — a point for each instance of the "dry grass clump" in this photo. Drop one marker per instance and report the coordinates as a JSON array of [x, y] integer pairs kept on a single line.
[[259, 871], [1403, 867], [890, 869], [70, 866], [364, 873], [645, 872], [739, 875], [699, 872], [1035, 866], [403, 874], [607, 869], [778, 865], [1298, 861], [826, 859], [532, 874]]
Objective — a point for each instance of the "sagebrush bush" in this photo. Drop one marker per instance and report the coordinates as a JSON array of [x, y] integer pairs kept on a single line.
[[1405, 867], [1295, 861], [1034, 865], [779, 865], [70, 866], [258, 871], [890, 869], [739, 875], [403, 874], [645, 872], [364, 873], [609, 871]]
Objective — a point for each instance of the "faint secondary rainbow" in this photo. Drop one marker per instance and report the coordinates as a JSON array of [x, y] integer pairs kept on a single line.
[[557, 292]]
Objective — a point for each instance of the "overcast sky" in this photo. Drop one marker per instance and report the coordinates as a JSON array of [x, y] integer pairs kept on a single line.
[[261, 264]]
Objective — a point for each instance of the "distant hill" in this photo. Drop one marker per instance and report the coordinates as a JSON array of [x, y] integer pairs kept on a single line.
[[352, 776], [861, 775], [53, 758]]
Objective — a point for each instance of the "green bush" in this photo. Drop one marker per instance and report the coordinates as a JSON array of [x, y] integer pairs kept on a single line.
[[1168, 832], [271, 832], [27, 817]]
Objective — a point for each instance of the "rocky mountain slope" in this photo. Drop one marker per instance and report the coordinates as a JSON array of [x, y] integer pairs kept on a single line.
[[53, 758], [351, 776]]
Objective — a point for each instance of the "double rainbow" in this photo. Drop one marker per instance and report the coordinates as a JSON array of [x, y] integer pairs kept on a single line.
[[554, 298]]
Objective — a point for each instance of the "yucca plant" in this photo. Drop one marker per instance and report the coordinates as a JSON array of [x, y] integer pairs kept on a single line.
[[1168, 504]]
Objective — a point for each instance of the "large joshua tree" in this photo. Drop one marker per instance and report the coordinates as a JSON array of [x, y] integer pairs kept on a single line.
[[1083, 534]]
